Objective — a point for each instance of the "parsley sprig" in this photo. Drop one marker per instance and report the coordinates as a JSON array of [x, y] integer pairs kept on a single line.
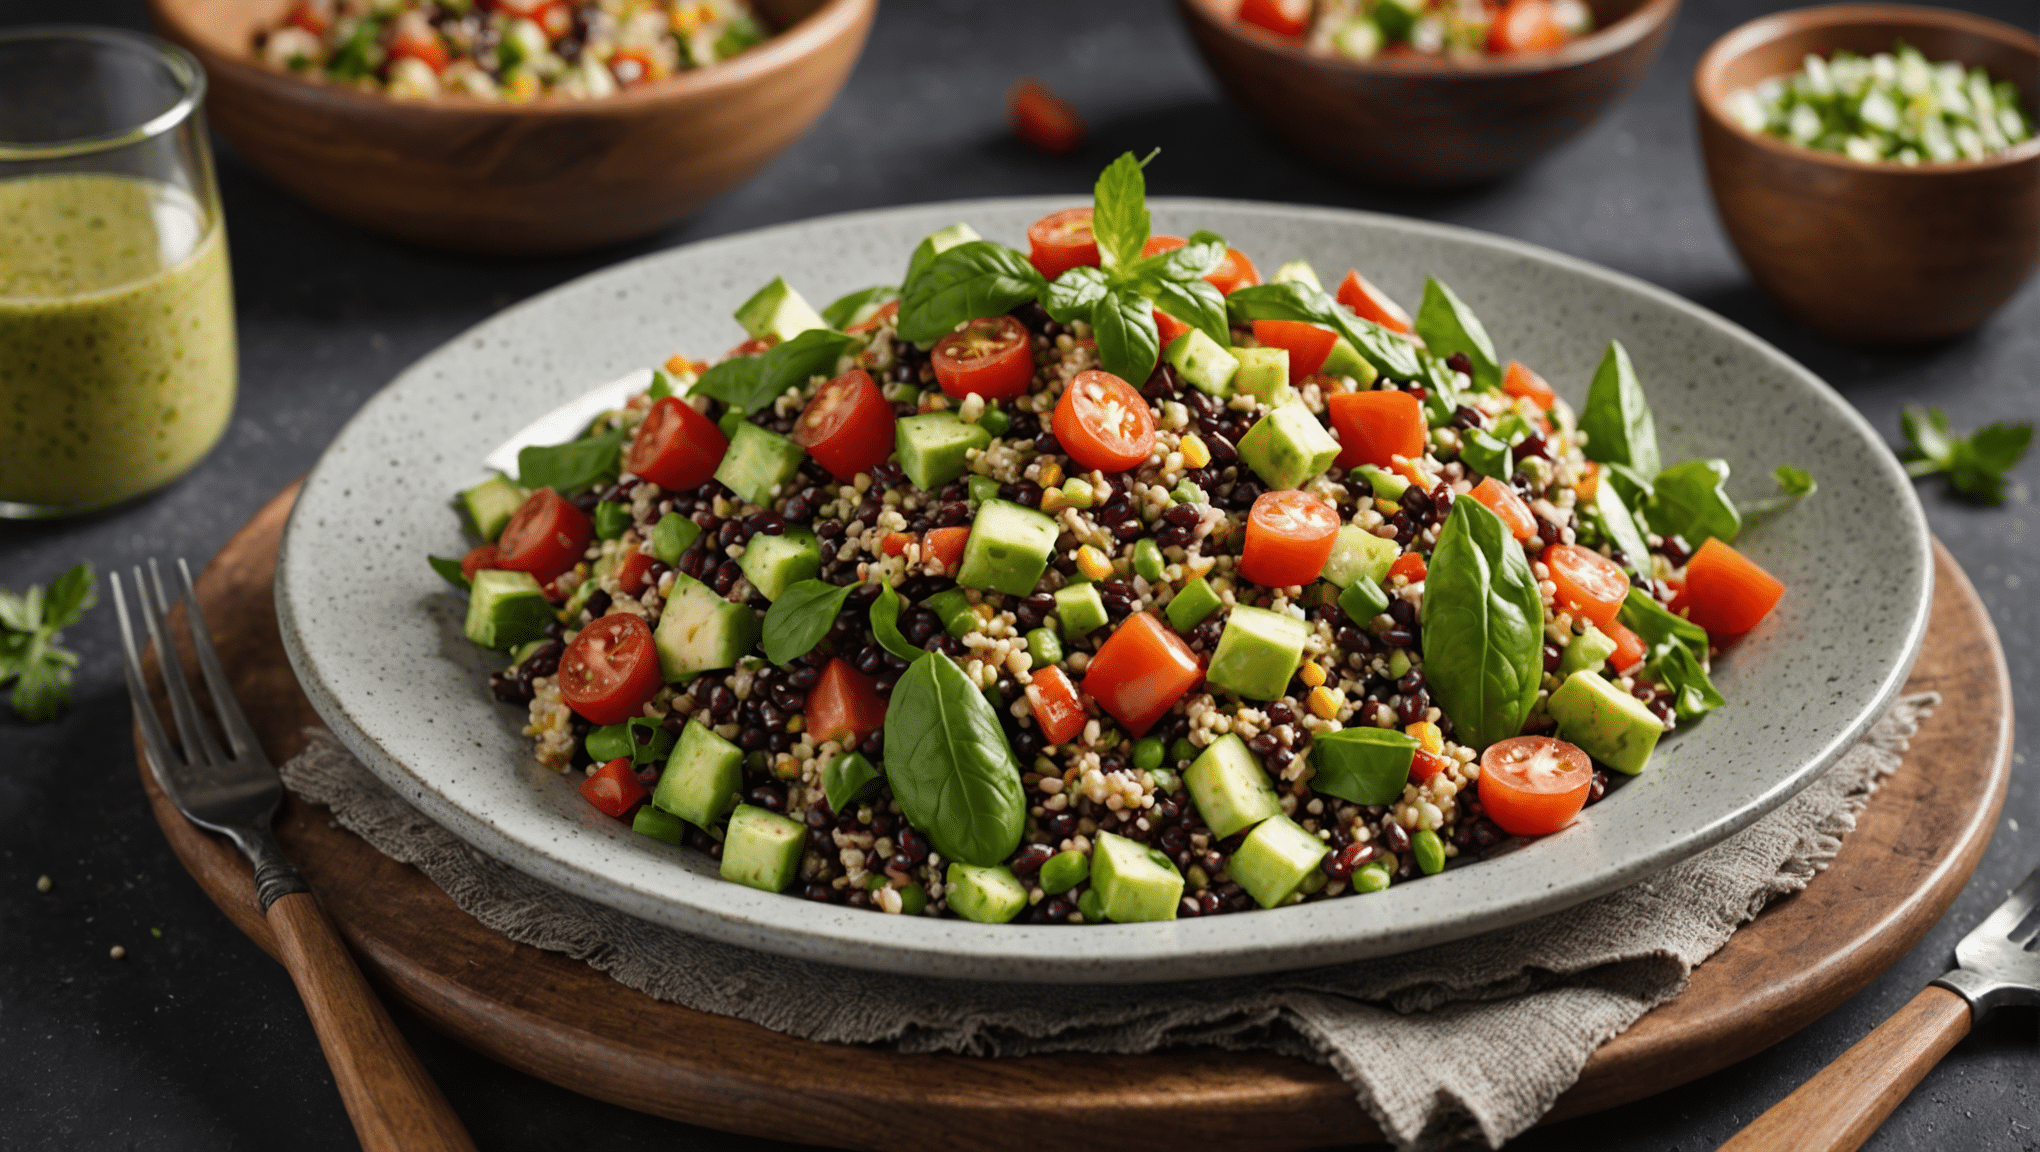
[[30, 658], [1975, 465]]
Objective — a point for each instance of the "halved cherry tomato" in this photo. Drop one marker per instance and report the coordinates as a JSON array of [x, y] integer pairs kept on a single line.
[[755, 346], [1376, 427], [630, 575], [1103, 423], [945, 545], [1519, 380], [1061, 241], [614, 787], [633, 67], [610, 670], [1235, 271], [1308, 344], [1044, 120], [895, 543], [993, 356], [1140, 671], [1289, 538], [1526, 26], [1629, 647], [478, 559], [1156, 245], [1503, 501], [1366, 301], [1588, 583], [676, 447], [1589, 485], [1410, 566], [1425, 764], [417, 39], [1726, 593], [847, 427], [1533, 785], [844, 706], [886, 314], [1282, 17], [1168, 328], [545, 536], [1056, 707]]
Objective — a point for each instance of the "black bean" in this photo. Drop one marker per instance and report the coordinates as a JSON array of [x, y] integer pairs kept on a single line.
[[1055, 910], [1399, 638], [1047, 445], [1029, 613], [874, 745], [1461, 363], [1533, 446], [1411, 681], [598, 603], [1342, 864], [1413, 707], [770, 797], [804, 679], [1675, 551], [818, 815], [1062, 825], [1547, 532], [1552, 655], [1394, 837], [1262, 743], [753, 739], [1183, 515], [1030, 858], [1222, 449], [1405, 528], [1280, 712], [912, 845], [951, 515], [1402, 611], [1415, 501]]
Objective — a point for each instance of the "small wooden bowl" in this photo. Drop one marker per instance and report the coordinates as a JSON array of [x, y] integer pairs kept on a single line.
[[1429, 123], [1873, 253], [546, 176]]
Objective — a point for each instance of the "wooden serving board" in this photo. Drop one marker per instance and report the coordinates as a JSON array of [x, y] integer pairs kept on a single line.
[[559, 1019]]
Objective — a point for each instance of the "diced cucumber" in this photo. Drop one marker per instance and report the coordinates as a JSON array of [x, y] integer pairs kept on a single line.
[[1258, 653], [1275, 859], [1587, 652], [1132, 881], [700, 631], [491, 503], [763, 848], [1203, 362], [659, 824], [1230, 787], [673, 535], [1193, 604], [987, 894], [1299, 272], [935, 448], [1288, 446], [758, 463], [1264, 375], [506, 609], [777, 310], [1345, 360], [1607, 723], [1008, 548], [611, 518], [702, 777], [1362, 601], [1080, 609], [775, 563], [953, 608], [1387, 485], [1358, 554], [1064, 871]]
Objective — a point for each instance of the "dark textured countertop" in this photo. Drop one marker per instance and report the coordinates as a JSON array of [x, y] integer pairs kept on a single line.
[[196, 1041]]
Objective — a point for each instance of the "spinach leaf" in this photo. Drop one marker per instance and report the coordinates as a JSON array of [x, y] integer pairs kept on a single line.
[[801, 617], [950, 766], [846, 310], [1448, 325], [1442, 395], [1391, 355], [1072, 295], [572, 467], [450, 569], [752, 383], [1483, 626], [1794, 485], [1634, 487], [885, 625], [1123, 323], [1617, 418], [976, 278], [1676, 653], [1119, 215], [1691, 500], [1196, 303], [1486, 454], [1656, 624], [1619, 527]]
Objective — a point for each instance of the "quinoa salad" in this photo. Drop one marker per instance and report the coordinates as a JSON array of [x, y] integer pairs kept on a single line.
[[1107, 581]]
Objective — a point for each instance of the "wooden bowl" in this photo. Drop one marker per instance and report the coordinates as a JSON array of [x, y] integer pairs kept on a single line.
[[1429, 123], [547, 176], [1872, 253]]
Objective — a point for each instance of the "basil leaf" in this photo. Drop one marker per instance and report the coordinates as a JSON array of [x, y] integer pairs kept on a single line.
[[1486, 454], [976, 278], [451, 570], [1391, 355], [1072, 295], [1656, 624], [1927, 435], [1119, 215], [22, 613], [1794, 485], [1448, 325], [1691, 500], [662, 385], [1693, 693], [1441, 387], [572, 467], [949, 764], [885, 625], [935, 244], [800, 618], [1617, 418], [45, 683], [1123, 323], [752, 383], [13, 654], [653, 750], [1196, 259], [848, 310], [1483, 626], [1619, 527], [1196, 303], [69, 596], [1634, 487]]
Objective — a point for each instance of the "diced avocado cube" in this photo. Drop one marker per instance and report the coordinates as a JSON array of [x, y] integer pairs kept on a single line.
[[935, 244], [1064, 871], [1358, 554], [491, 503], [935, 448], [981, 489], [1202, 361], [1258, 653], [1288, 446], [1387, 485], [777, 310], [1193, 605], [1607, 723], [1008, 548], [1264, 375], [1080, 609], [775, 563], [763, 848], [988, 895], [1587, 652], [659, 824], [758, 461], [1297, 271], [1274, 859], [1362, 601], [953, 608], [1231, 787], [1133, 881], [700, 631], [1362, 765], [673, 535], [702, 777], [506, 609], [849, 779], [1345, 360]]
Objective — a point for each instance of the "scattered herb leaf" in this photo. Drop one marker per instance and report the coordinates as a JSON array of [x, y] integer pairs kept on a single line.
[[1975, 465], [801, 617], [30, 658]]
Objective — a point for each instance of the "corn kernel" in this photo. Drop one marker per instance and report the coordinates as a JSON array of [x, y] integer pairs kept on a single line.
[[1322, 703], [985, 613], [1093, 563], [1385, 506], [1051, 475], [1195, 454], [1312, 673], [1433, 739], [1052, 500]]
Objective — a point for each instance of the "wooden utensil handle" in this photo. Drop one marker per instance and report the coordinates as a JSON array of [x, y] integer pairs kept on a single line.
[[1838, 1109], [395, 1106]]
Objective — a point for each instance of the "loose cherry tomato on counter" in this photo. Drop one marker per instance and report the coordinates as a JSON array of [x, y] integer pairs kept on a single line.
[[1364, 300], [1103, 423], [1056, 707], [1502, 500], [1410, 566], [614, 788], [1282, 17], [848, 427], [1289, 538], [1526, 26], [1629, 647], [1589, 583], [1061, 241], [1726, 593], [992, 356], [1376, 427], [630, 575], [545, 536], [1308, 344], [610, 670], [676, 447], [478, 559], [1519, 380], [1534, 785], [844, 706], [945, 545], [1044, 120], [1141, 671]]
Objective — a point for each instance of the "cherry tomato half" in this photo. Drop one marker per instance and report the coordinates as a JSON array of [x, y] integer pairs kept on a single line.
[[1055, 704], [1235, 271], [545, 537], [1168, 328], [416, 38], [1588, 583], [1289, 538], [1141, 671], [610, 670], [1520, 381], [1629, 647], [614, 788], [1308, 344], [1364, 300], [992, 356], [1103, 423], [843, 705], [630, 575], [1726, 593], [478, 559], [1061, 241], [1282, 17], [676, 447], [945, 546], [1502, 500], [847, 427], [1526, 26], [633, 67], [1044, 120], [1410, 566], [1533, 785], [1376, 427]]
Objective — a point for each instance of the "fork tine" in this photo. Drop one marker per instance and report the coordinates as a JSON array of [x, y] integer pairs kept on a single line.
[[154, 740], [2001, 923], [192, 733], [240, 734]]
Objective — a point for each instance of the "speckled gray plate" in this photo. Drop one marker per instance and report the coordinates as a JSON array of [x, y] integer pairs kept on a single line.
[[376, 639]]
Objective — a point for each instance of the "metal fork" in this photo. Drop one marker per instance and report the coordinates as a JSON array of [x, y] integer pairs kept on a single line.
[[235, 792], [1837, 1110]]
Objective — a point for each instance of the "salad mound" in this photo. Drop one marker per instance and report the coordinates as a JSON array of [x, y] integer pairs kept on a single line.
[[1107, 582]]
